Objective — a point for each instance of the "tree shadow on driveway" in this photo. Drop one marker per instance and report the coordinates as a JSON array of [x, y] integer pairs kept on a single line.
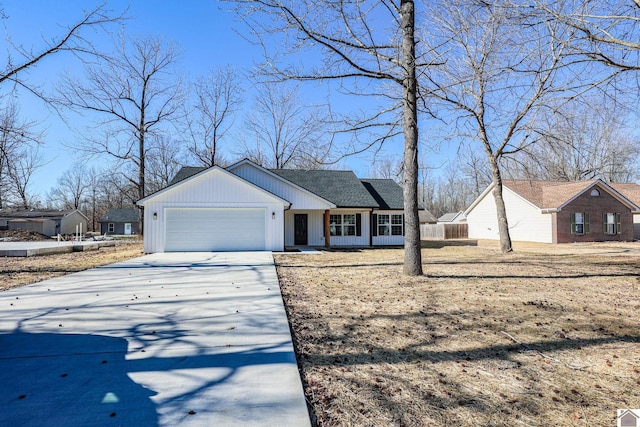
[[69, 380]]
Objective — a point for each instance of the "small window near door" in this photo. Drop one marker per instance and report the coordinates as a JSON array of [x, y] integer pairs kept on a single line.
[[111, 227]]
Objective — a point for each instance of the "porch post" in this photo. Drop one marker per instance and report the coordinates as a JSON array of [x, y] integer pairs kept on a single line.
[[327, 232]]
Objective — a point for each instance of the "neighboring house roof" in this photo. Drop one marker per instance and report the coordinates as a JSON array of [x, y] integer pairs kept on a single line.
[[121, 215], [426, 217], [630, 191], [452, 216], [55, 214], [186, 172], [555, 194], [342, 188], [386, 192]]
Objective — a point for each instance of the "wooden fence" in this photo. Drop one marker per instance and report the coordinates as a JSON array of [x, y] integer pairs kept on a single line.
[[443, 231]]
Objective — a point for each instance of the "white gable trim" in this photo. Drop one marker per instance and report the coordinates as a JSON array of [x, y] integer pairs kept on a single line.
[[74, 211], [208, 171], [278, 177]]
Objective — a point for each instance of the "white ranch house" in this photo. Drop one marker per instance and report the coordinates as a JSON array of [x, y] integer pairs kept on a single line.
[[248, 207]]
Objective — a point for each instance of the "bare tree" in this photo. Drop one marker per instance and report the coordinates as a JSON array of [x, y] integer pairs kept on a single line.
[[582, 141], [218, 98], [72, 188], [20, 172], [505, 67], [17, 164], [72, 39], [386, 167], [162, 163], [132, 96], [284, 133], [354, 48]]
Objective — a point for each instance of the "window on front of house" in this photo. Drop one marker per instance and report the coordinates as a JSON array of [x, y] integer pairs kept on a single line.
[[580, 223], [335, 225], [349, 225], [111, 227], [383, 225], [396, 225], [611, 223]]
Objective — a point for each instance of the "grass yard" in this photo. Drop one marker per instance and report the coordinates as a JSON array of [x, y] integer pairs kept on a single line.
[[19, 271], [547, 336]]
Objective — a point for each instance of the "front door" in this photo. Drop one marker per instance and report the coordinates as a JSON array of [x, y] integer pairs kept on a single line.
[[300, 230], [127, 228]]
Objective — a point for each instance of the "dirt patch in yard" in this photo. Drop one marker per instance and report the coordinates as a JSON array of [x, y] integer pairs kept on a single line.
[[22, 236], [549, 335], [19, 271]]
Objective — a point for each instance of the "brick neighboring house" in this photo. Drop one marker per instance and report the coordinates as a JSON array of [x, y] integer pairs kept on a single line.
[[120, 221], [559, 212]]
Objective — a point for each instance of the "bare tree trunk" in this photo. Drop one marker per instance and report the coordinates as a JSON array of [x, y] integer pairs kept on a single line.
[[501, 210], [412, 249]]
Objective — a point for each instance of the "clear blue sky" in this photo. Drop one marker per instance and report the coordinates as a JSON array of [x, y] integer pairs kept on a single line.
[[207, 34]]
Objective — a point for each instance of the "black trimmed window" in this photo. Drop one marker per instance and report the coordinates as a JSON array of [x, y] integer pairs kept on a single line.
[[384, 223], [390, 224], [345, 225], [111, 227], [611, 223], [397, 223], [335, 225], [580, 223], [349, 225]]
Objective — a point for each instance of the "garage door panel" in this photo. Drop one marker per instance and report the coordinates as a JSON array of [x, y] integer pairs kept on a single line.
[[215, 229]]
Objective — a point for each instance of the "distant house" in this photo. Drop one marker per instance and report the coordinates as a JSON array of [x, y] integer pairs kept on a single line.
[[426, 217], [452, 218], [120, 221], [248, 207], [559, 212], [46, 221]]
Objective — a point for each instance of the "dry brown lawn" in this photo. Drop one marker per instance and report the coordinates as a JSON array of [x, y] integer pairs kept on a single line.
[[19, 271], [546, 336]]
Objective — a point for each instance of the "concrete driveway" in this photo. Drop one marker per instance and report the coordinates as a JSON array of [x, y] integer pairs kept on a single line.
[[193, 339]]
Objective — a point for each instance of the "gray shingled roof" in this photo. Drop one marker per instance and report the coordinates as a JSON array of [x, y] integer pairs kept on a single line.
[[185, 172], [342, 188], [387, 192], [42, 213], [121, 215], [426, 217]]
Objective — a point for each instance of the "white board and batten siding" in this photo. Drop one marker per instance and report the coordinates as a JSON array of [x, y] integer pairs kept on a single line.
[[526, 222], [353, 241], [214, 210], [388, 240]]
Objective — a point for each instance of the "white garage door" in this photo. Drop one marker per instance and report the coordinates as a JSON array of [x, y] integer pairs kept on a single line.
[[219, 229]]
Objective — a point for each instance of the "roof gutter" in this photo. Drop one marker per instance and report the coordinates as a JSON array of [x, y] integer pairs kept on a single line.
[[549, 211]]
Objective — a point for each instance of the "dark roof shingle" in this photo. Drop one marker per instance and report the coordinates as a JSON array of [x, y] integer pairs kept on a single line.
[[121, 215], [341, 188], [186, 172], [386, 192]]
